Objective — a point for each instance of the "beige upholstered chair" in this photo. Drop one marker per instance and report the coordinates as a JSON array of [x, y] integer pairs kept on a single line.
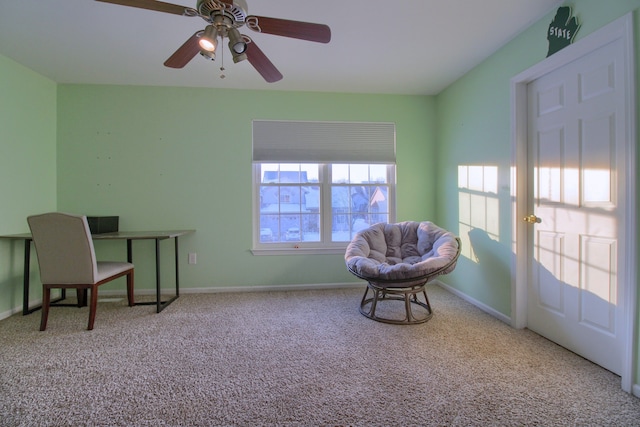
[[67, 259]]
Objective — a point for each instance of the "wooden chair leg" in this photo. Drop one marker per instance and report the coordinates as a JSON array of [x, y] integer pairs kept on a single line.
[[92, 306], [130, 296], [46, 301]]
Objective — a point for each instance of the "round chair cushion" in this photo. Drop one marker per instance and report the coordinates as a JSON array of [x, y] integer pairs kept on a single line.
[[402, 251]]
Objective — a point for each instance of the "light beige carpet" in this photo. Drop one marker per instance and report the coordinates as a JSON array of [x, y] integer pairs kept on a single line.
[[300, 358]]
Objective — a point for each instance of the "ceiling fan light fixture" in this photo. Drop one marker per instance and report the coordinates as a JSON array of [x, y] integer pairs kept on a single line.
[[211, 55], [236, 42], [209, 39], [237, 57]]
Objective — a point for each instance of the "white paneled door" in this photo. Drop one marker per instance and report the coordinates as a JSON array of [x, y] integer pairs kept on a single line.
[[576, 152]]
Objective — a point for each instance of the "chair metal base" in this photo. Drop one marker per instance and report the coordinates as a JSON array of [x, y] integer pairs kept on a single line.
[[413, 296]]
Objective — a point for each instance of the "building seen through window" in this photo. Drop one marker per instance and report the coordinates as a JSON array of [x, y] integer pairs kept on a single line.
[[320, 204]]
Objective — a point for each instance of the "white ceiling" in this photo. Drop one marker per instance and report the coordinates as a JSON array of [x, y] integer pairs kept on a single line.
[[377, 46]]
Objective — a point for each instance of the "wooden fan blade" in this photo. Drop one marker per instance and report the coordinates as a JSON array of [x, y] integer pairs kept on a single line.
[[151, 5], [295, 29], [262, 64], [185, 53]]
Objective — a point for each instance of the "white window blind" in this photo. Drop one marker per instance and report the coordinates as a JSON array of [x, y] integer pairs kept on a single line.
[[323, 142]]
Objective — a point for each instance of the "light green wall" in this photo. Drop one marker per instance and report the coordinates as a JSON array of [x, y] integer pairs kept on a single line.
[[181, 158], [474, 119], [27, 166]]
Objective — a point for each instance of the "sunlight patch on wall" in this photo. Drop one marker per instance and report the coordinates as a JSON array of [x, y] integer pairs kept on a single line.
[[478, 204]]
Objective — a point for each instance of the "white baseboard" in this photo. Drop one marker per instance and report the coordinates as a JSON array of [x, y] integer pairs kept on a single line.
[[10, 313], [208, 290], [267, 288], [225, 289], [635, 390], [32, 303], [489, 310]]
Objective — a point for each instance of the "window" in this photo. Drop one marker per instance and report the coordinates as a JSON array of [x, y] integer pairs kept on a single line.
[[317, 195], [320, 205]]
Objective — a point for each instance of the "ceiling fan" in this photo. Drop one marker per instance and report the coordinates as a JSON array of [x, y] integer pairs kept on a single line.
[[224, 18]]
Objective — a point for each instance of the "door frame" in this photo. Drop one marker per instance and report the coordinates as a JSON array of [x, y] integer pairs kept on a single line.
[[621, 28]]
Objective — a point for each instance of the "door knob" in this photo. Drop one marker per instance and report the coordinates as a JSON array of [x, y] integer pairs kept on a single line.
[[532, 219]]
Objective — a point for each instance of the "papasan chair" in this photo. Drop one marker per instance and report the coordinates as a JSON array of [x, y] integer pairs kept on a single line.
[[397, 261]]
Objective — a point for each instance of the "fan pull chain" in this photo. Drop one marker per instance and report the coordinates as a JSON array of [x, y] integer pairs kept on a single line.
[[222, 76]]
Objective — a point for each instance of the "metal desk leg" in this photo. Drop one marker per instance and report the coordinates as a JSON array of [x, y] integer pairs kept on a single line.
[[129, 252], [25, 279], [177, 272], [159, 306]]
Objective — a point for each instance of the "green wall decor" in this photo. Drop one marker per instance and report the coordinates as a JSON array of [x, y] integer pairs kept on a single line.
[[562, 30]]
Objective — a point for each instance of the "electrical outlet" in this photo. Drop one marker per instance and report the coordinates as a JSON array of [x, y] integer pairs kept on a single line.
[[193, 258]]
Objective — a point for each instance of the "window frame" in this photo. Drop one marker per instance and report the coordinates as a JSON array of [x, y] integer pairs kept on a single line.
[[326, 185]]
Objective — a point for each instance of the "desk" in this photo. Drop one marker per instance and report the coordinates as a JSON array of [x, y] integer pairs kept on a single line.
[[129, 236]]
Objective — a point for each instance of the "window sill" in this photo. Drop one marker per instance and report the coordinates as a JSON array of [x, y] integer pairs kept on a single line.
[[298, 251]]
